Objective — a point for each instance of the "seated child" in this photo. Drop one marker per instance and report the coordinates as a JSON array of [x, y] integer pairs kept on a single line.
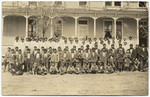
[[62, 69], [41, 69], [94, 68], [109, 69], [17, 69], [53, 69]]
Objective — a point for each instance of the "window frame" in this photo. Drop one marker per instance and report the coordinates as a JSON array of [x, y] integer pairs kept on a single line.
[[142, 2], [82, 2], [117, 2], [58, 3], [33, 4], [107, 2]]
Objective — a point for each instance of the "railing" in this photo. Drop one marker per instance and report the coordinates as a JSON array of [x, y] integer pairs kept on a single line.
[[104, 8]]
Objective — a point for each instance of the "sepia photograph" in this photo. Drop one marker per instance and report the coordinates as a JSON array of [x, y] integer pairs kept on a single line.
[[75, 48]]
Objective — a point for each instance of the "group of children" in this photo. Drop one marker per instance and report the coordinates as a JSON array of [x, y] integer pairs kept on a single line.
[[41, 56]]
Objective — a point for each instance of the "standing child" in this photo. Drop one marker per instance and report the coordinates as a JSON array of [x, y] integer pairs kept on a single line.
[[28, 60], [45, 59], [54, 62], [37, 60], [7, 58], [86, 62], [127, 61], [104, 55], [93, 61]]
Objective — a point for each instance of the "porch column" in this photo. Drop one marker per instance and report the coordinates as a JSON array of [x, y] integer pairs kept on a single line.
[[51, 28], [115, 19], [137, 20], [3, 18], [26, 26], [76, 26], [94, 27]]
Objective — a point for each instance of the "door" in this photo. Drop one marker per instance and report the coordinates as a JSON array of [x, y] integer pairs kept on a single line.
[[108, 29], [83, 28]]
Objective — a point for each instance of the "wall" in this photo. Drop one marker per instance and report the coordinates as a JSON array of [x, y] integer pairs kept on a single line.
[[69, 27], [129, 28], [71, 4], [13, 26]]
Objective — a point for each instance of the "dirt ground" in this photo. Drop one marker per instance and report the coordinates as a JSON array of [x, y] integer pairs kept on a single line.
[[124, 83]]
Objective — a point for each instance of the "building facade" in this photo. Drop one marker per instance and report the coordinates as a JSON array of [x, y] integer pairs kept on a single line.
[[82, 19]]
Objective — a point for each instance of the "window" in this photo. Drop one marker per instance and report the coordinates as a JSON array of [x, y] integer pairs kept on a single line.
[[108, 29], [32, 27], [108, 3], [82, 3], [142, 4], [82, 22], [58, 3], [119, 30], [117, 3], [32, 3]]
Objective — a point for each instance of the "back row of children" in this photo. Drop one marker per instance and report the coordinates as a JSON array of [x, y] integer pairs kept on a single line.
[[76, 59]]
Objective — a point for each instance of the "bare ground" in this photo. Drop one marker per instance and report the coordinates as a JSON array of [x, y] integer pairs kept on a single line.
[[124, 83]]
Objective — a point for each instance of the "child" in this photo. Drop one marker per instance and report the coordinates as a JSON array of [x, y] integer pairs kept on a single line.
[[119, 60], [86, 57], [103, 55], [127, 61], [37, 60], [101, 66], [28, 61], [94, 68], [20, 58], [16, 69], [66, 58], [7, 58], [54, 62], [41, 69], [109, 69], [62, 69], [70, 69], [93, 60], [12, 59], [45, 59]]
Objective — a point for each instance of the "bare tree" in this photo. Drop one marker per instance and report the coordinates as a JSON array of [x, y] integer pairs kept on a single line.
[[44, 13]]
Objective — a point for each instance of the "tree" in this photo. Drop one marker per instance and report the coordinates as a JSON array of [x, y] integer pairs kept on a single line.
[[44, 13]]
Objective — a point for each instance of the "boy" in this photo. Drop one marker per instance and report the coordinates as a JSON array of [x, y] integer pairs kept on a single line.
[[127, 61], [66, 58], [62, 69], [41, 69], [93, 61], [12, 59], [109, 68], [119, 60], [20, 57], [7, 58], [28, 59], [79, 62], [54, 62], [37, 60], [45, 59], [104, 55], [16, 69], [112, 55], [86, 57]]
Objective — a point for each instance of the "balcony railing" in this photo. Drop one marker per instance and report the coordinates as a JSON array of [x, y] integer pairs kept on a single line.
[[15, 4]]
